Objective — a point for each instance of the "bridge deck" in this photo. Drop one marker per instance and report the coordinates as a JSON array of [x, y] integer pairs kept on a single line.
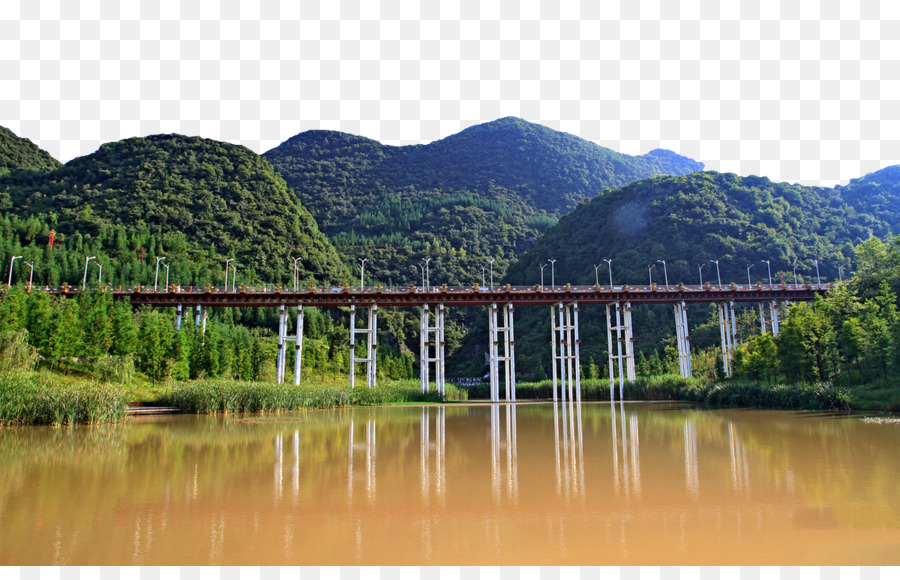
[[459, 295]]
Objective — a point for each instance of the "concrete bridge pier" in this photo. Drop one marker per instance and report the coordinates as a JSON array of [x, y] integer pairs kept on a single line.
[[283, 340], [683, 339], [624, 357], [773, 309], [178, 317], [371, 345], [505, 333], [565, 335], [728, 333], [431, 336]]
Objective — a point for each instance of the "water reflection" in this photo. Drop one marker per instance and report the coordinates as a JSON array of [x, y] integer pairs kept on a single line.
[[691, 465], [434, 476], [504, 478], [630, 464], [365, 448], [740, 469], [568, 435]]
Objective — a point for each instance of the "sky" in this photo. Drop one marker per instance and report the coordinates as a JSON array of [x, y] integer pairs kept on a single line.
[[805, 92]]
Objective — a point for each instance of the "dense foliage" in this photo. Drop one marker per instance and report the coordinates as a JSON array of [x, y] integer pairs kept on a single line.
[[486, 192], [18, 153], [194, 200]]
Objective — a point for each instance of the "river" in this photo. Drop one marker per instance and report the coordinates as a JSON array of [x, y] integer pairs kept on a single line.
[[484, 484]]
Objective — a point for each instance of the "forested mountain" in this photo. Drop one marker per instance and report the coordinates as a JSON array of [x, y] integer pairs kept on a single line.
[[194, 200], [484, 193], [18, 153], [690, 220]]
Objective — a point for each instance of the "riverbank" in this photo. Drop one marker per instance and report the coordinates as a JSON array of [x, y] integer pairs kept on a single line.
[[52, 399]]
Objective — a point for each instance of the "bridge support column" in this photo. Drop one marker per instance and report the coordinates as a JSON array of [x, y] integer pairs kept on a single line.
[[683, 339], [197, 310], [495, 358], [624, 357], [762, 318], [566, 334], [371, 346], [726, 337], [431, 335], [178, 318], [773, 309], [283, 341]]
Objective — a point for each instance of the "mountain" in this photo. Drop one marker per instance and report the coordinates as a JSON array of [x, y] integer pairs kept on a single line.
[[199, 198], [691, 220], [18, 153], [483, 194]]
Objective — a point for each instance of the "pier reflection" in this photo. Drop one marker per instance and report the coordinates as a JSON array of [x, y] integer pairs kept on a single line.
[[432, 451], [569, 437], [504, 478], [740, 469], [630, 464], [278, 468], [691, 464], [365, 448]]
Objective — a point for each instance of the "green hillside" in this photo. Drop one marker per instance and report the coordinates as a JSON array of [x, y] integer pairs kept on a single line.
[[484, 193], [194, 200], [18, 153]]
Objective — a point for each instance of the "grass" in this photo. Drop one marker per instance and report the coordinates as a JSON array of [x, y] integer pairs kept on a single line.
[[42, 399], [656, 388], [735, 393], [227, 396]]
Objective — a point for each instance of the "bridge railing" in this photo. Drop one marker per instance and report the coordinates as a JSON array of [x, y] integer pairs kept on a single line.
[[568, 288]]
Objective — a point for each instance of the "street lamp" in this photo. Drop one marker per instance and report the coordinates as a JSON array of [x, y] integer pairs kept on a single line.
[[427, 273], [552, 274], [542, 275], [491, 261], [14, 258], [100, 274], [30, 274], [233, 276], [609, 264], [362, 269], [719, 276], [650, 271], [296, 275], [841, 273], [769, 266], [421, 268], [156, 277], [166, 266], [818, 279], [749, 283], [483, 272], [86, 262], [227, 265], [666, 272], [795, 274], [597, 274], [700, 268]]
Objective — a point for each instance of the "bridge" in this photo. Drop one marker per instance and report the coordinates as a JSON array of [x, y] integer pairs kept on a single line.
[[433, 301]]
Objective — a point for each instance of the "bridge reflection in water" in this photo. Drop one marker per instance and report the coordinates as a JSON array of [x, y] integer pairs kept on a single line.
[[488, 484]]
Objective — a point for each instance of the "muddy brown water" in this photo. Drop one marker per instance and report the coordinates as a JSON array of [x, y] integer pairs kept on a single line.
[[480, 484]]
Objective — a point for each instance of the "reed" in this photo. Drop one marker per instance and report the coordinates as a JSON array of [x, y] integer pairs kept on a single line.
[[654, 388], [816, 396], [227, 396], [39, 399]]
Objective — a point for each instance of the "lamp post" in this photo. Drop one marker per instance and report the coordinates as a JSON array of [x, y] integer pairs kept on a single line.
[[597, 274], [166, 266], [818, 278], [552, 274], [156, 277], [749, 283], [665, 272], [609, 264], [841, 273], [769, 267], [795, 274], [233, 276], [483, 272], [100, 273], [542, 275], [427, 273], [421, 268], [227, 265], [491, 261], [719, 276], [296, 275], [86, 262], [650, 271], [700, 268], [14, 258], [30, 274], [362, 269]]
